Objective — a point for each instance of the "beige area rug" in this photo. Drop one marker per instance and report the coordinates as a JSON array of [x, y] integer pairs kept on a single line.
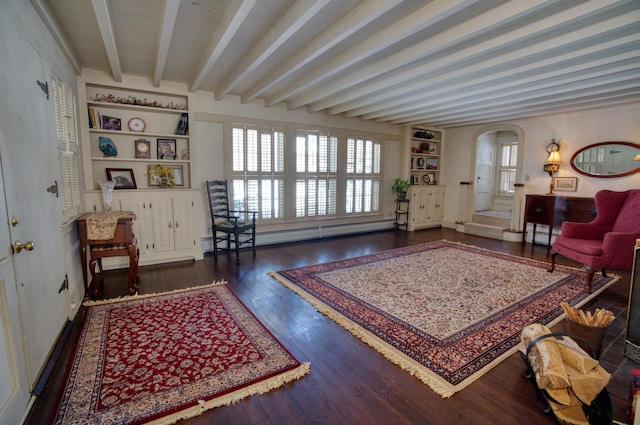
[[161, 358], [445, 312]]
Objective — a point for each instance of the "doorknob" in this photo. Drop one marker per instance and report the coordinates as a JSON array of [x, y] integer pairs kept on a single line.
[[19, 246]]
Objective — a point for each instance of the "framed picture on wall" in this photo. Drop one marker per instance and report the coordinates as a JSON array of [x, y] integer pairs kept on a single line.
[[565, 184]]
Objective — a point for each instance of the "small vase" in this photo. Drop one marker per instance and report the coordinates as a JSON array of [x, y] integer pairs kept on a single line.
[[107, 195]]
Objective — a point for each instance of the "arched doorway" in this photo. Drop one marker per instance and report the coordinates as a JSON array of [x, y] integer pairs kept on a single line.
[[496, 170], [498, 166]]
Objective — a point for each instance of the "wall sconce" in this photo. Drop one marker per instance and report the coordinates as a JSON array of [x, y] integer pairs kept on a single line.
[[552, 164]]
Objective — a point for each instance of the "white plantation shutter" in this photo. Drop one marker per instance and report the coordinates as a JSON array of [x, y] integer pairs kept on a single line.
[[362, 191], [65, 122], [70, 185], [257, 173]]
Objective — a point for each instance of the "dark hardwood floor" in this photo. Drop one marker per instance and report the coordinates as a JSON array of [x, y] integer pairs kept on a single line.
[[350, 383]]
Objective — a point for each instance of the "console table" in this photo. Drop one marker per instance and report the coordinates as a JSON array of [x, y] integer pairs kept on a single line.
[[552, 210], [120, 235]]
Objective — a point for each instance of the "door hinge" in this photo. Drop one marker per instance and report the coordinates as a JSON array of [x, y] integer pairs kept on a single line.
[[45, 87], [65, 284]]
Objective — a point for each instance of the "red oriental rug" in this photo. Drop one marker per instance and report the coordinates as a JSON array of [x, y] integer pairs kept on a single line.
[[445, 312], [162, 358]]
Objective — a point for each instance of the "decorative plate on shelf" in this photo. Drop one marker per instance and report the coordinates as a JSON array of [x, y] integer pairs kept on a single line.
[[137, 124]]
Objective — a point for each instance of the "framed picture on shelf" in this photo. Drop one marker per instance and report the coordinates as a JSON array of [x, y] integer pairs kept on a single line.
[[123, 177], [178, 175], [416, 179], [565, 184], [432, 164], [111, 123], [184, 154], [166, 148]]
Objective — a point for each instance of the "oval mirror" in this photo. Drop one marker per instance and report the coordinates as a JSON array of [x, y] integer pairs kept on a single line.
[[607, 159]]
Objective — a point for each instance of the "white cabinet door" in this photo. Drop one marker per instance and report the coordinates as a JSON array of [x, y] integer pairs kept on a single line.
[[142, 226], [435, 206], [427, 206], [163, 225], [183, 223]]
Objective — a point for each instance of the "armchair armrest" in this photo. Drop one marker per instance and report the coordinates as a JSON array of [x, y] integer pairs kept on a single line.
[[617, 248], [226, 217], [571, 229], [245, 212]]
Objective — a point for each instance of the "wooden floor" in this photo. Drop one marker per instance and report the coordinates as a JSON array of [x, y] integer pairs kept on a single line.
[[350, 383]]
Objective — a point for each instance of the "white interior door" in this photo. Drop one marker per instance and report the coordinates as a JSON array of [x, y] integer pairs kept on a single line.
[[30, 165], [484, 171], [14, 388]]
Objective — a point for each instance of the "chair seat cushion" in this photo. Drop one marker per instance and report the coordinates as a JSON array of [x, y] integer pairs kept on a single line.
[[228, 226], [589, 247]]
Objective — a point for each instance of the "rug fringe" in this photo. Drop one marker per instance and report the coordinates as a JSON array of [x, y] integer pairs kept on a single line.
[[235, 396], [137, 296]]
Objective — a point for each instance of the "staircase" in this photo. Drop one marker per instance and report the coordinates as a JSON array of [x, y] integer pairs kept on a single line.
[[489, 224]]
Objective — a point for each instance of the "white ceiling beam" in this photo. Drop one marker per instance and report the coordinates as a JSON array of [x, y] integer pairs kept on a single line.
[[494, 72], [574, 105], [532, 105], [531, 96], [231, 24], [286, 28], [421, 51], [57, 33], [351, 23], [169, 17], [600, 103], [460, 98], [101, 11], [430, 14]]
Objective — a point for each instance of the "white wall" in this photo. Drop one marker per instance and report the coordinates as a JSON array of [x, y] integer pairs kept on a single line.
[[572, 130]]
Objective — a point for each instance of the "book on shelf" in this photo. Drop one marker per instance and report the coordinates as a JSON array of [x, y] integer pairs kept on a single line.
[[93, 123], [183, 124]]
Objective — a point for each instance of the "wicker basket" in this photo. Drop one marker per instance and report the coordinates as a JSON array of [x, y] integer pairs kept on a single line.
[[589, 337]]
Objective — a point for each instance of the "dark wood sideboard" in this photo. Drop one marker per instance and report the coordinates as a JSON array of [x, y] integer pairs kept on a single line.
[[552, 210]]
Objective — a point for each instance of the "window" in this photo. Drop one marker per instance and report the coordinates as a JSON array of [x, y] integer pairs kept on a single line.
[[258, 170], [362, 191], [316, 174], [507, 169], [65, 123], [326, 177]]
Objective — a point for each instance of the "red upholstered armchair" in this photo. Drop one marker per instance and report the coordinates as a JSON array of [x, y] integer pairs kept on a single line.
[[607, 242]]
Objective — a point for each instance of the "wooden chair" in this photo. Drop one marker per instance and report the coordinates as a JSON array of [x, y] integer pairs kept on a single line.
[[238, 227], [98, 252]]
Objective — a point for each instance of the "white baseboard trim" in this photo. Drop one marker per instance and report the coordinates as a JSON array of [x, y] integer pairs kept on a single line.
[[270, 237]]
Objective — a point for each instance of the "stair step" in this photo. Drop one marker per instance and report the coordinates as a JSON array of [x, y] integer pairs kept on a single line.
[[497, 219], [485, 230]]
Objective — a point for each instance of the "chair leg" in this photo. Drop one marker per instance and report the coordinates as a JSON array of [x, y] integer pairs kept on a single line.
[[553, 262], [236, 234], [253, 239], [93, 285], [590, 272], [215, 244]]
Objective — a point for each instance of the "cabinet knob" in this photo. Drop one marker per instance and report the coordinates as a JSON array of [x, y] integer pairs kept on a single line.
[[170, 225], [177, 224]]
